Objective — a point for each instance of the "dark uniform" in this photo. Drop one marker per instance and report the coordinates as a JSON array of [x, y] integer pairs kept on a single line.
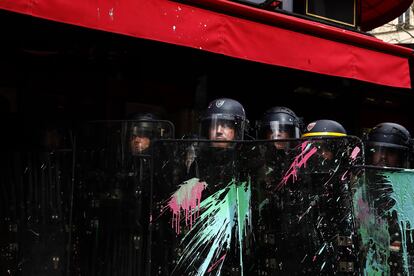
[[272, 159]]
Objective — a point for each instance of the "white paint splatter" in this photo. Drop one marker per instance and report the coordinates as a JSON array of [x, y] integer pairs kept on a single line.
[[111, 13], [174, 28]]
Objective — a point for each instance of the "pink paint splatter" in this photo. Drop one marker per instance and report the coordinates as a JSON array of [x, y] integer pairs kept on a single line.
[[187, 198], [300, 161], [216, 263], [355, 153]]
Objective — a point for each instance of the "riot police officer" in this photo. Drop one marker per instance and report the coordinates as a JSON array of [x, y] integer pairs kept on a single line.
[[322, 129], [388, 145], [224, 120], [279, 123], [324, 181], [270, 160], [142, 130]]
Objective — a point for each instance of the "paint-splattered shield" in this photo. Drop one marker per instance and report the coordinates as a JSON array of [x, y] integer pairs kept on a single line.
[[35, 206], [201, 209], [384, 211], [302, 208], [113, 164], [253, 209]]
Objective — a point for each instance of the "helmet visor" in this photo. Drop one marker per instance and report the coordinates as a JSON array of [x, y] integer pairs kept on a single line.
[[279, 130], [386, 156], [141, 132], [223, 128]]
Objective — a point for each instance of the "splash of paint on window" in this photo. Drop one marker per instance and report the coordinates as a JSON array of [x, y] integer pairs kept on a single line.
[[355, 153], [374, 234], [186, 199], [402, 183], [300, 161], [224, 214]]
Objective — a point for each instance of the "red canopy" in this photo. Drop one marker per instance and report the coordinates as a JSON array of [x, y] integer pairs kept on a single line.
[[236, 30]]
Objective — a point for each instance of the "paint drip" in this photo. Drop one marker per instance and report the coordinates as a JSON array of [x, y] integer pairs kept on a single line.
[[300, 161], [186, 199], [224, 215], [402, 183], [373, 231]]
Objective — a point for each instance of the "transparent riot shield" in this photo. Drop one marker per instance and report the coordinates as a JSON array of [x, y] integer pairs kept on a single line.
[[251, 209], [35, 207], [302, 209], [111, 215], [199, 204], [384, 212]]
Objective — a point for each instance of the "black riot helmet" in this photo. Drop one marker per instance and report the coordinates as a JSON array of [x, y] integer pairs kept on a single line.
[[388, 145], [142, 128], [279, 123], [324, 128], [224, 119], [143, 124]]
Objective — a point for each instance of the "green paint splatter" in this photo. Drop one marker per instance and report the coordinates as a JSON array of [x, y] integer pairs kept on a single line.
[[373, 231], [402, 183], [243, 216], [208, 242]]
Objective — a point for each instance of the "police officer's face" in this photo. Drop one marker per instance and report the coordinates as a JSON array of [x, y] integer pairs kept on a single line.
[[139, 144], [279, 135], [325, 150], [386, 158], [222, 131], [326, 153]]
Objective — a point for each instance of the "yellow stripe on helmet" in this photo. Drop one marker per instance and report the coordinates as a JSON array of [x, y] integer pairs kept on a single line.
[[326, 133]]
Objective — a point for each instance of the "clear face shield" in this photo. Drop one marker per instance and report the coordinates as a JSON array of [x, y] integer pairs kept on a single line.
[[222, 127], [276, 130], [387, 156], [140, 136], [328, 151]]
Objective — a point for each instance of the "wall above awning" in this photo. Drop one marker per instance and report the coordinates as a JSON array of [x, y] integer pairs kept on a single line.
[[236, 30]]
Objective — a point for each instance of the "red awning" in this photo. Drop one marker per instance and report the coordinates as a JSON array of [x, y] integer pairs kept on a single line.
[[236, 30], [378, 12]]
